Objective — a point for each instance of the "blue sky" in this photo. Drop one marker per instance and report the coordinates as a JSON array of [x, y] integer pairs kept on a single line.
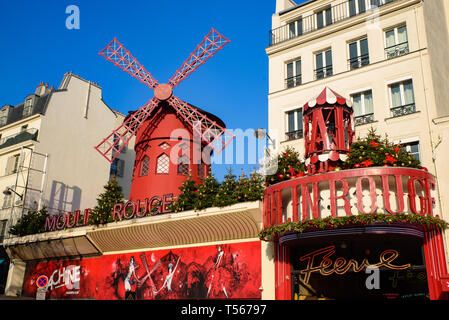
[[37, 46]]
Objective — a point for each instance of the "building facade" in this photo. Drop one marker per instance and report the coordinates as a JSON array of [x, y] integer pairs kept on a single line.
[[385, 56], [46, 151]]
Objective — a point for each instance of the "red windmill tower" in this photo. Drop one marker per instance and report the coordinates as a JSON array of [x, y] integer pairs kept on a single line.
[[328, 131], [162, 163]]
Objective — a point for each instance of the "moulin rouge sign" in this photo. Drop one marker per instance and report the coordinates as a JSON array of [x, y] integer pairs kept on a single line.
[[155, 205], [393, 190]]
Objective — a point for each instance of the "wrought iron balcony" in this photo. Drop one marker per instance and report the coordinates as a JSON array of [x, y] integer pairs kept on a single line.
[[29, 134], [323, 72], [358, 62], [344, 193], [364, 119], [403, 110], [293, 81], [396, 50], [293, 135], [310, 23]]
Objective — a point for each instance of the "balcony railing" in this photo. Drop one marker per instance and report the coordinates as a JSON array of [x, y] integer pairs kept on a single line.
[[403, 110], [315, 196], [364, 119], [293, 135], [358, 62], [293, 81], [310, 23], [29, 134], [323, 72], [396, 50]]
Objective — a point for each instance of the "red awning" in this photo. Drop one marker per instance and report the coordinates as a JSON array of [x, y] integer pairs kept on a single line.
[[327, 96]]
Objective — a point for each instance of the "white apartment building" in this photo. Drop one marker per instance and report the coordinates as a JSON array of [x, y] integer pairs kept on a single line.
[[388, 56], [47, 155]]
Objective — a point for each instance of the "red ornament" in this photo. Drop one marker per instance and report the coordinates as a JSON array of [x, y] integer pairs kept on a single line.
[[367, 163], [374, 143]]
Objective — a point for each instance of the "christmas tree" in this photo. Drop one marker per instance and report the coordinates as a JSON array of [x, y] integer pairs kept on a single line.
[[30, 223], [374, 151], [226, 195], [112, 194], [289, 166], [188, 199], [207, 192]]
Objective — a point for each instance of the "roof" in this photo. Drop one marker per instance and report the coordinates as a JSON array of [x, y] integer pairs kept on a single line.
[[327, 96], [15, 113], [207, 114]]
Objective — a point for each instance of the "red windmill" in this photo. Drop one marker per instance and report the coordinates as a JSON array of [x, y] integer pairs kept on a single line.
[[155, 172]]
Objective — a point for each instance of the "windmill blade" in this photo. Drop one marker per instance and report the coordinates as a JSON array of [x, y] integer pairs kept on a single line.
[[207, 129], [113, 144], [211, 43], [116, 53]]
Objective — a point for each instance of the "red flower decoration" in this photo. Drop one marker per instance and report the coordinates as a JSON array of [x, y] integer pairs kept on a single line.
[[367, 163], [390, 159], [397, 149], [374, 143]]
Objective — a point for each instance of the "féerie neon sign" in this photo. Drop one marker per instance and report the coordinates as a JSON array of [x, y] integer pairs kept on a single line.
[[340, 266]]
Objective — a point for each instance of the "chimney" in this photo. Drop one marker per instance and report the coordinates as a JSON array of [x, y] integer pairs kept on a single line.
[[42, 89]]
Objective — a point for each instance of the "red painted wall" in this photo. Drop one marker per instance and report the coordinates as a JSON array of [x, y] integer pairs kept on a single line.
[[150, 136], [195, 272]]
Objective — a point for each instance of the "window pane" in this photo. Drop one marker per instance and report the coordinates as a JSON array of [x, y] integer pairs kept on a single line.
[[291, 121], [352, 8], [389, 35], [290, 70], [163, 164], [299, 118], [402, 34], [369, 108], [408, 92], [319, 19], [298, 67], [328, 16], [362, 6], [357, 105], [319, 60], [395, 95], [144, 166], [353, 52], [299, 27], [364, 47], [329, 58], [291, 29]]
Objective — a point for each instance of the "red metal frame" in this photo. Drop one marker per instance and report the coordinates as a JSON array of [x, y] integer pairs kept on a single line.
[[210, 131]]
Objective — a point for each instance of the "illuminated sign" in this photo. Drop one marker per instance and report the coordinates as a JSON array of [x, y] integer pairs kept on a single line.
[[320, 261]]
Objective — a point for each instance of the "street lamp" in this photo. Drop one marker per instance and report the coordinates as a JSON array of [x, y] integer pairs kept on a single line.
[[8, 191]]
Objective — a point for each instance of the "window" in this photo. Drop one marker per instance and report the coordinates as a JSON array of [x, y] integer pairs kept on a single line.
[[358, 54], [356, 7], [4, 115], [396, 42], [323, 64], [12, 164], [163, 164], [183, 165], [164, 145], [295, 28], [293, 74], [323, 18], [362, 104], [294, 125], [412, 148], [402, 99], [27, 108], [144, 166]]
